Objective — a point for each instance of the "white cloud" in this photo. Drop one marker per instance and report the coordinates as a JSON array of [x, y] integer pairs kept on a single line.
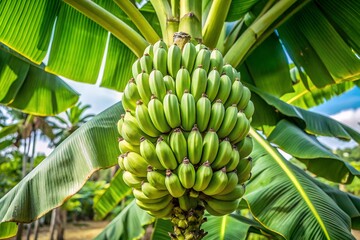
[[349, 117]]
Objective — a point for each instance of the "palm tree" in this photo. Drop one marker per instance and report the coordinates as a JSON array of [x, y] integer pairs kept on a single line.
[[321, 38]]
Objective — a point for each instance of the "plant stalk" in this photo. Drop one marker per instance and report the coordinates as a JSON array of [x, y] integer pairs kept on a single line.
[[139, 20], [118, 28], [215, 22], [190, 18], [163, 12], [240, 48]]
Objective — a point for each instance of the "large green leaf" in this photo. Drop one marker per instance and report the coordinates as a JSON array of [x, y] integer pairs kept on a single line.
[[321, 44], [268, 67], [349, 203], [93, 146], [7, 230], [287, 202], [312, 122], [32, 90], [117, 191], [312, 153], [311, 96], [129, 224], [239, 8]]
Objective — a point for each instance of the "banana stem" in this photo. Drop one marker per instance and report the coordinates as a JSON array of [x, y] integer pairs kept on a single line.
[[187, 224], [163, 12], [118, 28], [175, 8], [190, 18], [139, 20], [215, 22], [251, 35]]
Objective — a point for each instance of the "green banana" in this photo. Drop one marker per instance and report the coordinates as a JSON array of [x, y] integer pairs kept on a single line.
[[241, 128], [203, 112], [203, 177], [178, 144], [130, 95], [120, 123], [244, 169], [128, 104], [165, 154], [174, 60], [121, 161], [217, 183], [136, 68], [125, 146], [144, 120], [229, 121], [198, 82], [216, 60], [249, 110], [160, 60], [199, 46], [138, 194], [182, 82], [135, 164], [172, 110], [203, 58], [155, 178], [223, 156], [159, 44], [234, 161], [217, 115], [237, 193], [245, 98], [232, 183], [173, 184], [235, 94], [130, 130], [186, 173], [151, 192], [186, 203], [154, 206], [147, 150], [188, 56], [157, 115], [195, 145], [224, 89], [212, 211], [163, 213], [169, 83], [149, 50], [187, 111], [132, 180], [228, 70], [245, 147], [157, 84], [210, 146], [213, 84], [222, 207], [146, 63], [143, 86]]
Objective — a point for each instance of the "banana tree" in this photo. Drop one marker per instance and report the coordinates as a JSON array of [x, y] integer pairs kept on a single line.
[[256, 37]]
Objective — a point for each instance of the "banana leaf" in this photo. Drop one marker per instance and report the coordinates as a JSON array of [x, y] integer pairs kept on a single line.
[[8, 230], [288, 203], [129, 224], [116, 191], [312, 153], [65, 170]]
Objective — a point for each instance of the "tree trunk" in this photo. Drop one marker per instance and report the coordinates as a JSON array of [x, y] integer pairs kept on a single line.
[[61, 224], [36, 229], [54, 214], [20, 231]]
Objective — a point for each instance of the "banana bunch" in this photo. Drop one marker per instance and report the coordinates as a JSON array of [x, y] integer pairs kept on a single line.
[[184, 134]]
